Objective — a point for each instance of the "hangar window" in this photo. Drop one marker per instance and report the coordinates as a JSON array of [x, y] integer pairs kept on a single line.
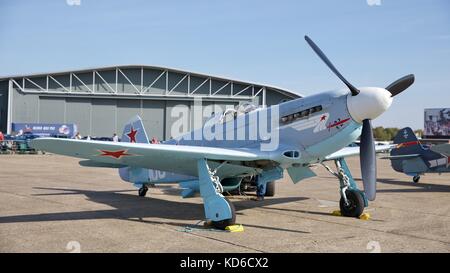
[[302, 114]]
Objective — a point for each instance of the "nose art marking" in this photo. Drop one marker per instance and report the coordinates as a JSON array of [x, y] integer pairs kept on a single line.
[[337, 123]]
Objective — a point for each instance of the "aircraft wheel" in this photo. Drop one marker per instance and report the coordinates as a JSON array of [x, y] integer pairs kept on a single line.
[[416, 179], [143, 191], [355, 206], [227, 222], [270, 189]]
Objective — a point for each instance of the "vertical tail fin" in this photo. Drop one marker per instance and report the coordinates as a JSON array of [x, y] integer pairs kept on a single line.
[[407, 143], [134, 131], [405, 135]]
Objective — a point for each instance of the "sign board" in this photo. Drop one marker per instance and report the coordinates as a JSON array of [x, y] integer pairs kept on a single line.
[[45, 129], [437, 123]]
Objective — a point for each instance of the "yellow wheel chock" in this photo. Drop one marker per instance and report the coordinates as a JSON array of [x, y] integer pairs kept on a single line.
[[364, 216], [235, 228], [232, 228], [336, 213]]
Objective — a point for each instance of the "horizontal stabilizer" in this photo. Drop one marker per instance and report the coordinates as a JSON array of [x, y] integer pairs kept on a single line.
[[414, 166], [97, 164], [352, 151], [190, 188], [442, 149], [400, 157]]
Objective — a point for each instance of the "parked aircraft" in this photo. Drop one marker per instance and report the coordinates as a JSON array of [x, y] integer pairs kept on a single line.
[[304, 131], [412, 158]]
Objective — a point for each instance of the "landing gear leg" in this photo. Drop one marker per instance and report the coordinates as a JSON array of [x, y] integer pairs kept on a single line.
[[143, 190], [352, 200], [218, 209], [416, 178]]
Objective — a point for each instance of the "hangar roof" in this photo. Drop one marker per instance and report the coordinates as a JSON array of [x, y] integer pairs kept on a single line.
[[97, 70]]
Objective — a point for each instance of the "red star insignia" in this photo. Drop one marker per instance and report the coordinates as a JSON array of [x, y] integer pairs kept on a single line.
[[322, 118], [114, 154], [132, 135]]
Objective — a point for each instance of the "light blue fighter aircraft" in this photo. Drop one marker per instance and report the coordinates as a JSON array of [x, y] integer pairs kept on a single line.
[[412, 158], [308, 131]]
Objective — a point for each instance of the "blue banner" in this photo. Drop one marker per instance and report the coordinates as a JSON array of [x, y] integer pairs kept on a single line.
[[45, 129]]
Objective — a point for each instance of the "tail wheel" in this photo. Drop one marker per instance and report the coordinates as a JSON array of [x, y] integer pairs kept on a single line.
[[142, 191], [222, 224], [270, 189], [354, 206]]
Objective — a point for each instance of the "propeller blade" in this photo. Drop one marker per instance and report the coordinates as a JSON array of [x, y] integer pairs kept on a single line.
[[324, 58], [368, 160], [400, 85]]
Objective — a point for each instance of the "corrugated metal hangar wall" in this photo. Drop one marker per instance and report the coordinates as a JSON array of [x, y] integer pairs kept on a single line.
[[101, 100]]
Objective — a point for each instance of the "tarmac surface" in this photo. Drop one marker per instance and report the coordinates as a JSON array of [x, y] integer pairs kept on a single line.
[[48, 203]]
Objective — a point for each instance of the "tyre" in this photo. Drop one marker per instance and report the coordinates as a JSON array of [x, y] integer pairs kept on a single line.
[[142, 191], [270, 189], [222, 224], [355, 206], [416, 179]]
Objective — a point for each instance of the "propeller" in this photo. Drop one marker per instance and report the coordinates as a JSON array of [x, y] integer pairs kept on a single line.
[[367, 160], [367, 148], [324, 58], [400, 85], [363, 102]]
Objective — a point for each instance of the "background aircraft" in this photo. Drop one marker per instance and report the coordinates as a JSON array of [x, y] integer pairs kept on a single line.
[[414, 159], [307, 131]]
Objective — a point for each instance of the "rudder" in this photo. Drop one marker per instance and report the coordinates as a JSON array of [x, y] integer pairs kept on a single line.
[[405, 135], [407, 143], [134, 131]]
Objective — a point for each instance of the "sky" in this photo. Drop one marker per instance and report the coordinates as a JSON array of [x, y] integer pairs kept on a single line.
[[371, 42]]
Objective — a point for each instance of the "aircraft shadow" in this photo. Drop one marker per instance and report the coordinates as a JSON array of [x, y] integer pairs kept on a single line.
[[418, 187], [302, 211], [134, 208]]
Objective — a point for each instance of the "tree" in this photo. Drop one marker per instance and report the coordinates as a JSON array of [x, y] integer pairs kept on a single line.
[[419, 133], [379, 133], [384, 134]]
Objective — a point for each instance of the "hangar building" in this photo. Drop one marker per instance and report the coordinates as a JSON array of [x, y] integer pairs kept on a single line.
[[101, 100]]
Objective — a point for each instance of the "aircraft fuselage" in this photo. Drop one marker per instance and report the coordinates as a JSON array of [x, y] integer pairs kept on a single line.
[[301, 131]]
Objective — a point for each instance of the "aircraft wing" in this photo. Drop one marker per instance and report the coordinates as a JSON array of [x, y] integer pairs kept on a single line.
[[442, 149], [352, 151], [180, 159]]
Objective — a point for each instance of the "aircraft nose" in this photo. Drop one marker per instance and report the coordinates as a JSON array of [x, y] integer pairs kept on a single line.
[[369, 103]]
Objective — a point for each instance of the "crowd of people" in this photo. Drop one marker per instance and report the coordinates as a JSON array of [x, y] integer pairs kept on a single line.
[[2, 141], [11, 144]]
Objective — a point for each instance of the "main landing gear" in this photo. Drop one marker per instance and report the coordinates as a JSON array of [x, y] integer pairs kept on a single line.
[[416, 178], [219, 210], [352, 204], [352, 200]]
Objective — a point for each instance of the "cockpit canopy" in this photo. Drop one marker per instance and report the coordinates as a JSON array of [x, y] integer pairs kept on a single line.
[[231, 113]]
